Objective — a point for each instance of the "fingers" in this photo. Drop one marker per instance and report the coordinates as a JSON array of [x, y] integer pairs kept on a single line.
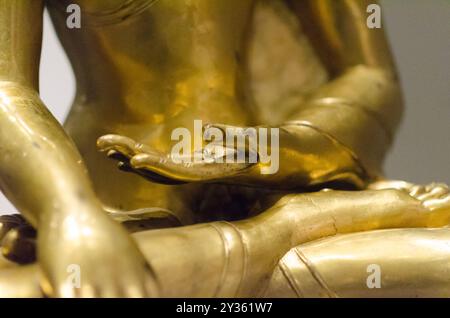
[[121, 144], [19, 245], [8, 222], [232, 132], [126, 146], [172, 168], [188, 172], [122, 149], [18, 239]]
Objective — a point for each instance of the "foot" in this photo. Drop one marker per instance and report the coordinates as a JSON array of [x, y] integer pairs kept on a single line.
[[432, 196]]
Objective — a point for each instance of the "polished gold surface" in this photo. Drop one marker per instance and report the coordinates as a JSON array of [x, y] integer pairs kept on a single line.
[[311, 68]]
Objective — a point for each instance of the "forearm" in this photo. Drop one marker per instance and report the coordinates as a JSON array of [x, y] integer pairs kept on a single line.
[[20, 40], [359, 111], [362, 105], [41, 171]]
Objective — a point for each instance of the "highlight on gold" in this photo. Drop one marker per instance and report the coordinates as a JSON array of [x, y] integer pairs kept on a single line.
[[215, 148]]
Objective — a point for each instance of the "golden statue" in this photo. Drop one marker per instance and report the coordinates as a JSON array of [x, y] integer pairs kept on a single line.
[[311, 68]]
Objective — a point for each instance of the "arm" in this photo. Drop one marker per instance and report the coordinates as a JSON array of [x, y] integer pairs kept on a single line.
[[41, 171], [362, 106], [339, 135], [43, 174]]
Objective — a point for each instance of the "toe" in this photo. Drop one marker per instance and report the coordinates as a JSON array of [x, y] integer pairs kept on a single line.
[[417, 190], [434, 192]]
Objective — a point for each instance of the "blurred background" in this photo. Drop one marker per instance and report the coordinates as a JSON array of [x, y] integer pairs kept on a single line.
[[419, 32]]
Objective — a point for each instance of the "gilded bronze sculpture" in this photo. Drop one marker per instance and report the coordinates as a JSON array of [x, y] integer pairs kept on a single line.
[[311, 68]]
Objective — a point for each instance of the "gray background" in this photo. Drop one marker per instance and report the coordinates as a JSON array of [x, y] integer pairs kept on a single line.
[[419, 31]]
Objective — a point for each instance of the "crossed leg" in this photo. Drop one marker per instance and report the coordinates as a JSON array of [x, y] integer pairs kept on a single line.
[[239, 258]]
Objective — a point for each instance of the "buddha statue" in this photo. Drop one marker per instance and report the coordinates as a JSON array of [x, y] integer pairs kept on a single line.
[[104, 193]]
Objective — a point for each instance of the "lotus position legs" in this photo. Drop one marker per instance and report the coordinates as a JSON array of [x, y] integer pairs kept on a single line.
[[239, 258]]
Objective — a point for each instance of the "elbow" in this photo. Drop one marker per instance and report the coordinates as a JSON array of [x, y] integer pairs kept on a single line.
[[375, 88]]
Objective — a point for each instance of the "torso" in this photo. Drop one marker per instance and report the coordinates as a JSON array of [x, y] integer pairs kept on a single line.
[[126, 87]]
